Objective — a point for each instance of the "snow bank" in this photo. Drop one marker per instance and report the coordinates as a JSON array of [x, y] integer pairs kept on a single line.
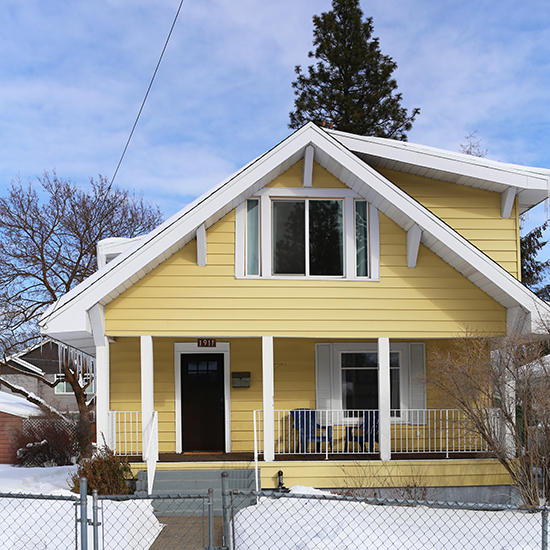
[[283, 523], [18, 406], [43, 481]]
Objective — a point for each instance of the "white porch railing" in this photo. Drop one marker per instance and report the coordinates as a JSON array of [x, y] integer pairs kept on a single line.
[[434, 431], [352, 432], [125, 433], [125, 438]]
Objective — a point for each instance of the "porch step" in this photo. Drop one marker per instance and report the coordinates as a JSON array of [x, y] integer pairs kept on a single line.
[[174, 482]]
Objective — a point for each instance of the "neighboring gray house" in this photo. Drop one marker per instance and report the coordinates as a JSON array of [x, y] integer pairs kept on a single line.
[[42, 359]]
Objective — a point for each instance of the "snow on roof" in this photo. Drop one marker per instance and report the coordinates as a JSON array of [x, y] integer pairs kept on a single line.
[[18, 406]]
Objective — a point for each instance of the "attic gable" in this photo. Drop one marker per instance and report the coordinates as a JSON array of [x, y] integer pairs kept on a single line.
[[69, 316]]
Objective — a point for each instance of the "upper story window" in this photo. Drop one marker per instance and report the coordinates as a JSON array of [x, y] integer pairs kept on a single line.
[[307, 237], [307, 233]]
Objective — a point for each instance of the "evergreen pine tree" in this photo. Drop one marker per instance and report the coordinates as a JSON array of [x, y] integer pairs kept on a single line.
[[533, 271], [351, 85]]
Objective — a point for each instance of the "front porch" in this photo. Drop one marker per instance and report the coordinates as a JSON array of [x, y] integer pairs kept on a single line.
[[291, 410]]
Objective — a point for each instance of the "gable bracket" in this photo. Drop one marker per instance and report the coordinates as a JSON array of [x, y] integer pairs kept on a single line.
[[413, 245], [96, 314], [201, 245], [507, 201], [308, 166]]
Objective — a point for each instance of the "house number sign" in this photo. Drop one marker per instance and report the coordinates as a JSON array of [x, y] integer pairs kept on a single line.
[[206, 343]]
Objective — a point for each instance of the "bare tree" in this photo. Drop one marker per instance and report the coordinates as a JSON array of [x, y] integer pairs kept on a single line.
[[48, 237], [46, 248], [473, 146], [502, 387]]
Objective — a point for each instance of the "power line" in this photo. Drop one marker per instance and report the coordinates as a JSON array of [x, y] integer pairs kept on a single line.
[[147, 93]]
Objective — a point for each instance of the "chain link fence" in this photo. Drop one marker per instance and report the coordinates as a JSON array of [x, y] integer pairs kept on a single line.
[[272, 521], [262, 520]]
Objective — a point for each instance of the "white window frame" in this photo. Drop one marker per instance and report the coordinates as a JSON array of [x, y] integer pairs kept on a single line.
[[403, 348], [192, 348], [268, 194], [64, 388]]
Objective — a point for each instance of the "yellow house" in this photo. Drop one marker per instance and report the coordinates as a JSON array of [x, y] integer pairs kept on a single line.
[[285, 318]]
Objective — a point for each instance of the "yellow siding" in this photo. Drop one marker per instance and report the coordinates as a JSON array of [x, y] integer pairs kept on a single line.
[[474, 213], [337, 474], [180, 298], [293, 177]]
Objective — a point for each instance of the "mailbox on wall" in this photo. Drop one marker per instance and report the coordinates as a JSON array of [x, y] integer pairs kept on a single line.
[[240, 379]]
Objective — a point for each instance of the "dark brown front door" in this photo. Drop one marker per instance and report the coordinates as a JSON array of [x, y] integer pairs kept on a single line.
[[202, 402]]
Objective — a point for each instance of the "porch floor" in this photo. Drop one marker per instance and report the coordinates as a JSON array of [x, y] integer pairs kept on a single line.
[[249, 457]]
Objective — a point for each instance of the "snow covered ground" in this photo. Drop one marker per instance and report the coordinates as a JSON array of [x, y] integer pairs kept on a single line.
[[273, 524], [293, 523], [50, 524]]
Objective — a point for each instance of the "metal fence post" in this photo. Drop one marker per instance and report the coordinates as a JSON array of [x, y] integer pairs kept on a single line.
[[83, 513], [95, 520], [226, 511], [544, 544], [210, 519]]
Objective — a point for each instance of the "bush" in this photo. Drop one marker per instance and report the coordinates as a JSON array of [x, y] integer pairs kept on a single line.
[[44, 442], [104, 472]]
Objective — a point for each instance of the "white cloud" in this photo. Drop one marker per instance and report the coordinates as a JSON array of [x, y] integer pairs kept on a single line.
[[74, 74]]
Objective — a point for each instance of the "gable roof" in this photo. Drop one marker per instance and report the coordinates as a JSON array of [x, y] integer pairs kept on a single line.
[[41, 358], [18, 406], [70, 319]]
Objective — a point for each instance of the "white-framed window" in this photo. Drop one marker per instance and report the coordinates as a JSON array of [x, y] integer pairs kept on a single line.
[[64, 388], [347, 376], [355, 376], [296, 233]]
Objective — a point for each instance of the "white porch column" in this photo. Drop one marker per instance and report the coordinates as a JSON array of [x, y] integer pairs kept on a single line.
[[268, 398], [101, 381], [147, 389], [384, 398]]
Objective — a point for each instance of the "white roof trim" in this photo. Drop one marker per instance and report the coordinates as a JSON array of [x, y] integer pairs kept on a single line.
[[532, 184], [68, 315]]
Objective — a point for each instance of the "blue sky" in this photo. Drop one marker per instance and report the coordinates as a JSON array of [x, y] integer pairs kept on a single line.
[[73, 75]]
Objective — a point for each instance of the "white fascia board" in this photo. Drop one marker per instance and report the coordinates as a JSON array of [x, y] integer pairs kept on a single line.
[[470, 168], [26, 365]]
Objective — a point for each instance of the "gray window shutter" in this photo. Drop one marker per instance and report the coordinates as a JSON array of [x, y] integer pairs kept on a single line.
[[323, 376], [417, 392]]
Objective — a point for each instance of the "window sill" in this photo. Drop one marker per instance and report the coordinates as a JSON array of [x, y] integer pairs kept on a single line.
[[308, 279]]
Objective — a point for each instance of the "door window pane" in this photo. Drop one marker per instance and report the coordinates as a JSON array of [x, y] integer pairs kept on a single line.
[[326, 249], [253, 237], [289, 238]]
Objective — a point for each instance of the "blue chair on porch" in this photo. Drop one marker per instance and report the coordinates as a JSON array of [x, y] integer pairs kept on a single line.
[[364, 432], [310, 430]]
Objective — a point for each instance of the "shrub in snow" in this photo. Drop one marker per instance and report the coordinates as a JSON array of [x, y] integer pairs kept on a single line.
[[105, 471], [44, 442]]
